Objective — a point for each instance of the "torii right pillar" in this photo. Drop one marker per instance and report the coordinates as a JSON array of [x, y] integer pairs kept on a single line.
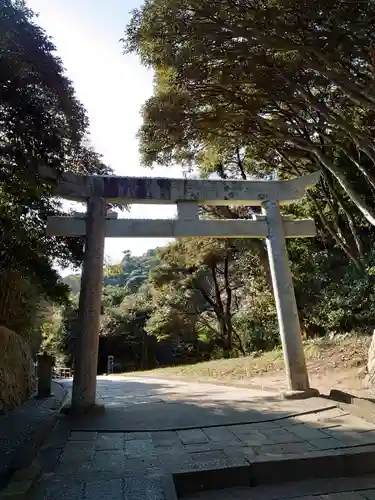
[[286, 305]]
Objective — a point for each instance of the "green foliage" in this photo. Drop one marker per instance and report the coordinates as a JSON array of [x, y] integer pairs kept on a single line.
[[42, 125], [113, 271], [333, 295], [131, 272], [22, 307], [243, 91], [168, 322], [114, 295], [73, 281], [50, 328], [63, 340]]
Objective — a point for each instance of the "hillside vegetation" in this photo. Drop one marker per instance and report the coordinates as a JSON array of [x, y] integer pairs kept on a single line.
[[336, 363]]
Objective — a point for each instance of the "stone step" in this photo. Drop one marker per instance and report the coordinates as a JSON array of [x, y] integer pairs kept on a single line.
[[341, 488], [348, 462]]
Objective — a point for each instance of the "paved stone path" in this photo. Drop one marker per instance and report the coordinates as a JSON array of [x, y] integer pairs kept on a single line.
[[132, 462], [148, 404]]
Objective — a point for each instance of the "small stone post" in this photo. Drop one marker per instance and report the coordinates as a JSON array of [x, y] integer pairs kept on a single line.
[[285, 299], [86, 360], [45, 365], [110, 364]]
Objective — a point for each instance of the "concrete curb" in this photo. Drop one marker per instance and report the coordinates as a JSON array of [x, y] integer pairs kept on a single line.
[[360, 407], [168, 486], [21, 484], [284, 469], [24, 479]]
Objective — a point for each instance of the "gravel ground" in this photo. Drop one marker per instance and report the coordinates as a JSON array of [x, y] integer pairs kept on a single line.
[[24, 429]]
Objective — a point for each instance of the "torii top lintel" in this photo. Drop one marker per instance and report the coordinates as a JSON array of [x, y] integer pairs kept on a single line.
[[148, 190]]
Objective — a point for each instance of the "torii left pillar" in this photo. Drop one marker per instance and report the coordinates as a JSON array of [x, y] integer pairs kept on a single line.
[[86, 356]]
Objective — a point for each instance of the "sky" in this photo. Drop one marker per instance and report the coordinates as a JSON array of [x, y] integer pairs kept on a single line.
[[112, 87]]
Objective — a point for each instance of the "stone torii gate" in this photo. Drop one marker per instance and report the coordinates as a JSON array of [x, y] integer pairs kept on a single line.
[[187, 194]]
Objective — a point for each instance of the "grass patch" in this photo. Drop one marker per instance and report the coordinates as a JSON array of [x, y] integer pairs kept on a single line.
[[322, 355]]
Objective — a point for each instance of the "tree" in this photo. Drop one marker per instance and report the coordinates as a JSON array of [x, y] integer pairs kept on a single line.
[[199, 279], [42, 124], [113, 271], [126, 323], [256, 89], [73, 281], [65, 341], [248, 88]]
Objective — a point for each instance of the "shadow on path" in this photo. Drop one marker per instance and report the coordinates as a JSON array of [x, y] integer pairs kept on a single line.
[[151, 405]]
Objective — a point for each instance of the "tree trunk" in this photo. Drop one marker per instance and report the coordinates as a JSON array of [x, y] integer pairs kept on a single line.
[[334, 118], [367, 174], [342, 204], [355, 93], [144, 361], [228, 305], [331, 231], [342, 244], [368, 212]]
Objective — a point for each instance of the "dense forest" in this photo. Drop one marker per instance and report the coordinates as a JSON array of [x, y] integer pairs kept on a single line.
[[242, 89]]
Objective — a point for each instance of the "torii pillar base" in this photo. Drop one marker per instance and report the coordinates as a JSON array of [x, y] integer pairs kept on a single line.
[[293, 395], [81, 411]]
